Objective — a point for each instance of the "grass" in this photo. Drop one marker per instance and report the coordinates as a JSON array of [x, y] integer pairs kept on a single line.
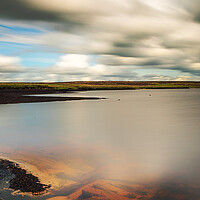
[[99, 85]]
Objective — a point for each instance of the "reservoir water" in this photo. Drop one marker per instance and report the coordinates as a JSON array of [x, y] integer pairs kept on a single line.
[[148, 138]]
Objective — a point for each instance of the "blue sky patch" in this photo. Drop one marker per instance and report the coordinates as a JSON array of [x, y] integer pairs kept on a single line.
[[40, 59], [21, 30]]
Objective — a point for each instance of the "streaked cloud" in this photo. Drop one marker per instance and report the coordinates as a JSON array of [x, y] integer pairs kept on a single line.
[[73, 66], [10, 64], [124, 35]]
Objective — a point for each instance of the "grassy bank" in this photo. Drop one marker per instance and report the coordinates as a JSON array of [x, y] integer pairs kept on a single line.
[[99, 85]]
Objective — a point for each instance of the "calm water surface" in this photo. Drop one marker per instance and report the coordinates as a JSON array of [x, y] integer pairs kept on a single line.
[[139, 138]]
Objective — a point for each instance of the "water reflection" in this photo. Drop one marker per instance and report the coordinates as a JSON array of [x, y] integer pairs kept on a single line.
[[141, 146]]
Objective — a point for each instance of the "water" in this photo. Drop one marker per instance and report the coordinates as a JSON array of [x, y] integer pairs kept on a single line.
[[140, 138]]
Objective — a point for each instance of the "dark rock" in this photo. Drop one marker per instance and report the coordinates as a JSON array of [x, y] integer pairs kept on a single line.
[[23, 181]]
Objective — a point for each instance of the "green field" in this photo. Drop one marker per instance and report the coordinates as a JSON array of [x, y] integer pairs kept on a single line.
[[99, 85]]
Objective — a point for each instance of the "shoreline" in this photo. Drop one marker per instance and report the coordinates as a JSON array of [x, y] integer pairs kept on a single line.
[[19, 96], [20, 92]]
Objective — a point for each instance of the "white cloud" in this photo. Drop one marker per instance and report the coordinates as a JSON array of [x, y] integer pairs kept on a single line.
[[183, 78], [10, 64], [195, 66], [72, 61], [78, 67]]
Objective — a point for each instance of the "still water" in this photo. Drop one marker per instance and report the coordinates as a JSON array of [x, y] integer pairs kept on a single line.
[[143, 137]]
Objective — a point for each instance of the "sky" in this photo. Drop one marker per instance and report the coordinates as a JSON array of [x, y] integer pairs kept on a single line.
[[69, 40]]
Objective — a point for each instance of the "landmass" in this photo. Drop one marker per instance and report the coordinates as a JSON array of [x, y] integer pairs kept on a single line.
[[26, 96], [19, 92]]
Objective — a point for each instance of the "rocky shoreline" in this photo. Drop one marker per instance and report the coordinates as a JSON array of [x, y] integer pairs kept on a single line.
[[19, 179]]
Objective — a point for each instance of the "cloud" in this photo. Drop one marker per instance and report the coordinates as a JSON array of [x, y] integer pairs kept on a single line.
[[21, 10], [125, 35], [73, 67], [183, 78], [10, 64], [78, 67], [191, 6], [70, 67]]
